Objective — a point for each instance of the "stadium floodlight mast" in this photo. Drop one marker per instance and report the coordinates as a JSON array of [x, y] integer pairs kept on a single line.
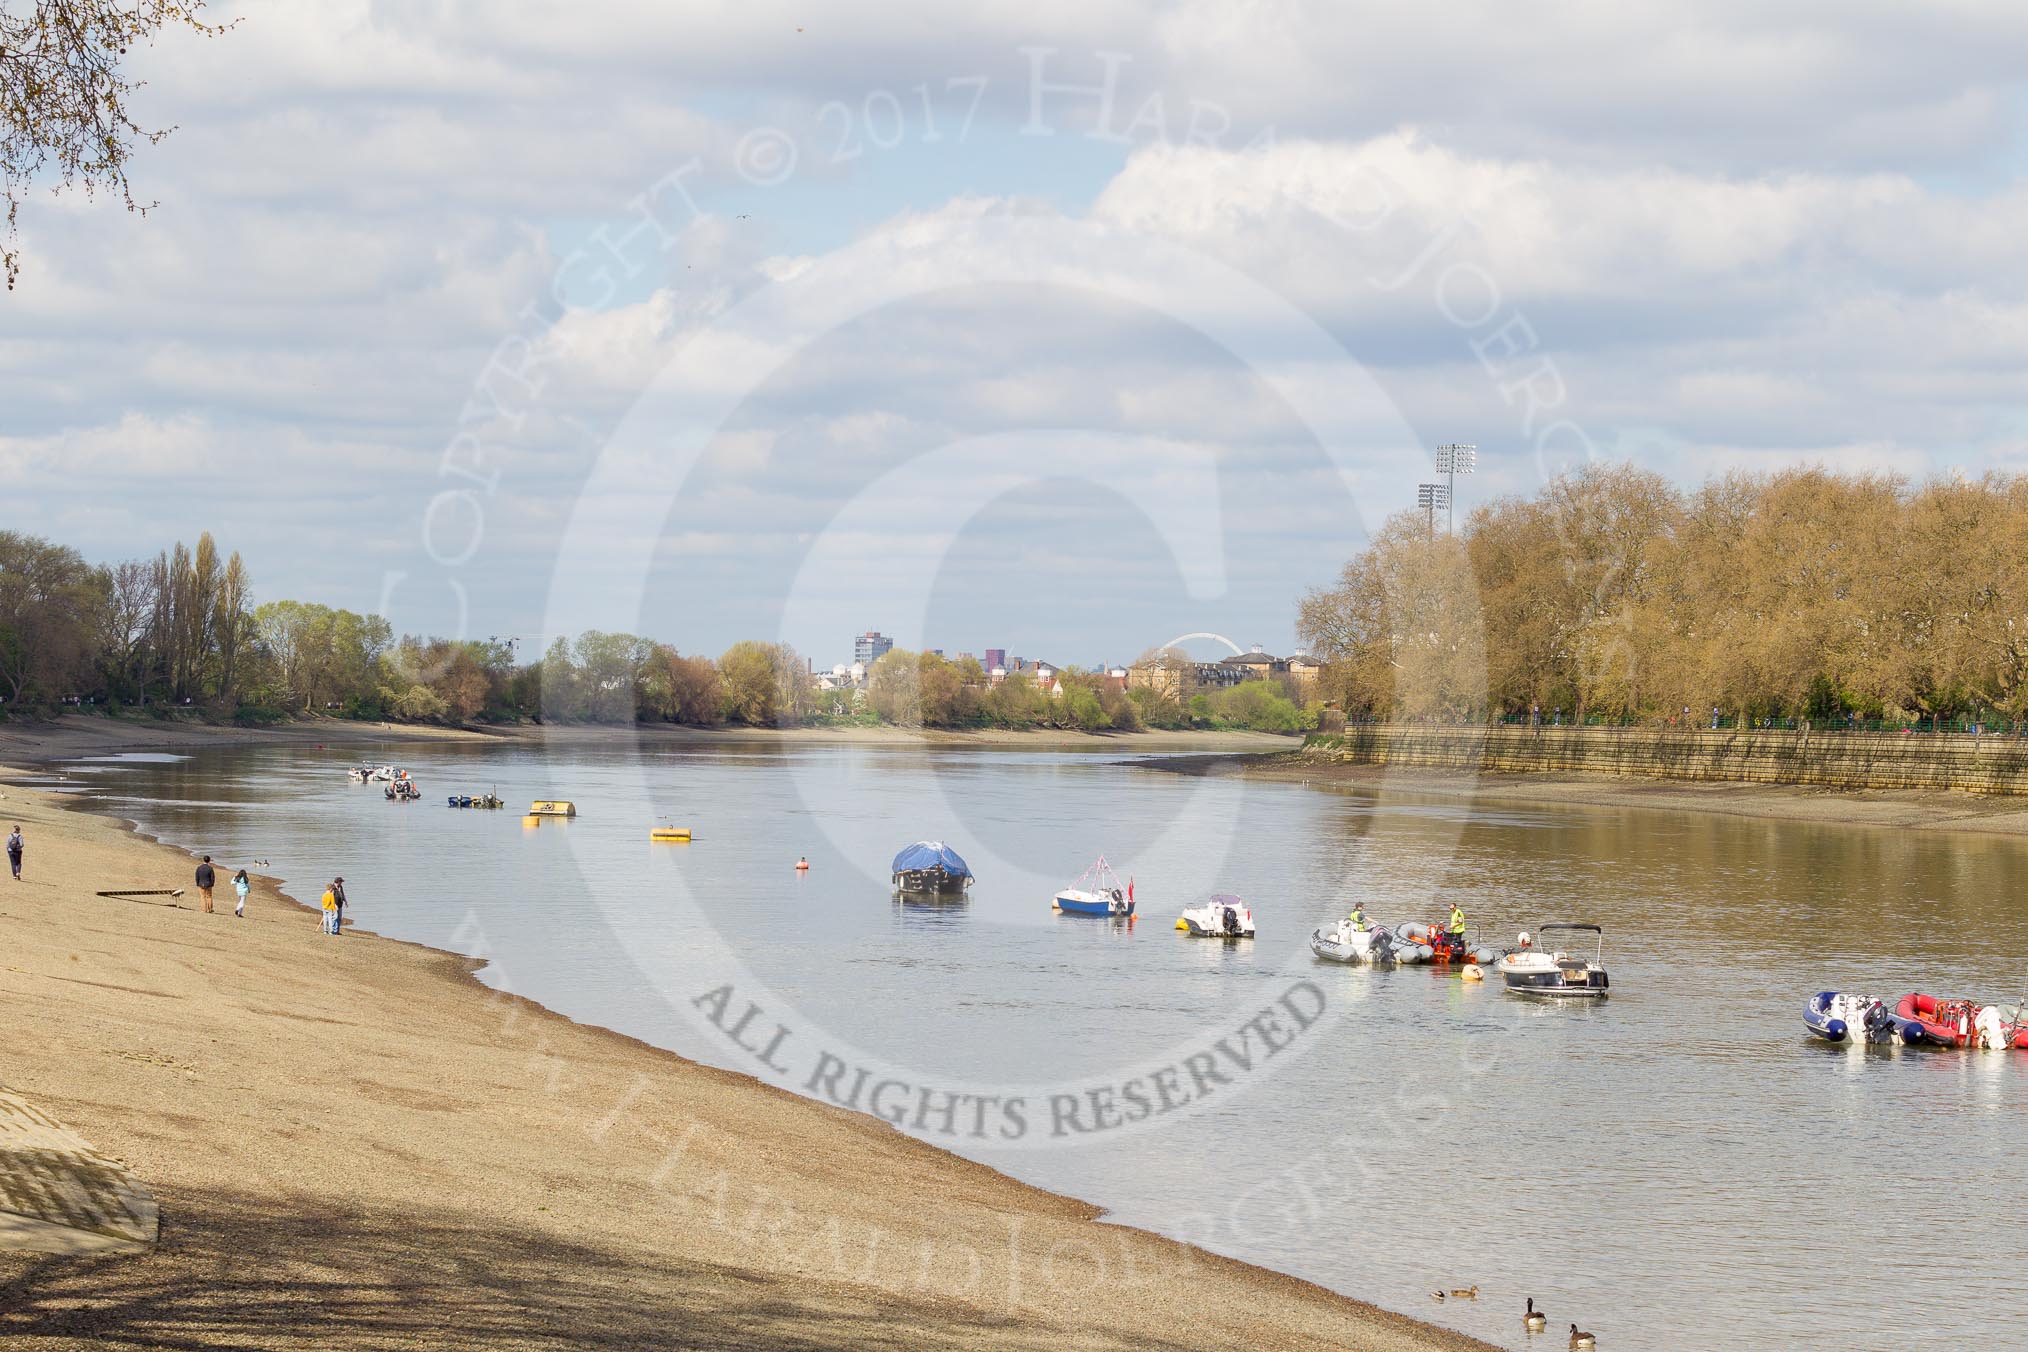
[[1429, 497], [1451, 461]]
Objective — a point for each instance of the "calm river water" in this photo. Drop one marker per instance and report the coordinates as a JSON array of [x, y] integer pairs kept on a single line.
[[1679, 1167]]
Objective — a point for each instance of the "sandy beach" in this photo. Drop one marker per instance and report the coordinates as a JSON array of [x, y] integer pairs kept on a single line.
[[1909, 810], [355, 1144]]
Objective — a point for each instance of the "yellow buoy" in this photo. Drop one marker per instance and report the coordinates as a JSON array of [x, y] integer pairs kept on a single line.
[[669, 833], [1473, 972], [1182, 924], [552, 808]]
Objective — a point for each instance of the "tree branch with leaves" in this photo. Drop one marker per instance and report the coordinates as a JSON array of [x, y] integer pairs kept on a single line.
[[64, 94]]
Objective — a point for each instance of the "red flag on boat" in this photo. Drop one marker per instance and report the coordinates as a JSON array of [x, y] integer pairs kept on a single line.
[[1130, 887]]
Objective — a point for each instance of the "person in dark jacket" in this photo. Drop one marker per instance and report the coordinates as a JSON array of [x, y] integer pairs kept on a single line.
[[338, 891], [14, 848], [206, 880]]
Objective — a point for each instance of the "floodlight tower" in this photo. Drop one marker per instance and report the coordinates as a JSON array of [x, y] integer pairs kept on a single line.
[[1429, 497], [1451, 461]]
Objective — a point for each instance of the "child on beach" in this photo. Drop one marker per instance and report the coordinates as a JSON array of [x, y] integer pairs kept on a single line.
[[240, 886], [330, 911]]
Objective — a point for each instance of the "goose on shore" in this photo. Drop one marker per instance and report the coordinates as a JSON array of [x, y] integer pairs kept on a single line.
[[1580, 1340], [1534, 1321]]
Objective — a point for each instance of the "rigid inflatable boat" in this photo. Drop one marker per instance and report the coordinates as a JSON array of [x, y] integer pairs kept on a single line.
[[1964, 1023], [1860, 1019]]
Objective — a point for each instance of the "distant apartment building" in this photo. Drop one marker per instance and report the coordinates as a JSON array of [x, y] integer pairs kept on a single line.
[[867, 648], [996, 657], [1175, 677]]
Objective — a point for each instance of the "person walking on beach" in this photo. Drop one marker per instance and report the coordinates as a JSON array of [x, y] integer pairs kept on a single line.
[[207, 878], [14, 853], [240, 886], [330, 911], [338, 891]]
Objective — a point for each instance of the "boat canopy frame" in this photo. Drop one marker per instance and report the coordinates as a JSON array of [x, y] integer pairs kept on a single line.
[[1596, 931]]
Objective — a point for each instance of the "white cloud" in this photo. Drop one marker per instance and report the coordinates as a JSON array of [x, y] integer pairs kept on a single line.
[[1726, 227]]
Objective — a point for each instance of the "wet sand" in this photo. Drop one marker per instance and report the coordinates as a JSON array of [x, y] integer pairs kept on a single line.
[[355, 1144], [1897, 809]]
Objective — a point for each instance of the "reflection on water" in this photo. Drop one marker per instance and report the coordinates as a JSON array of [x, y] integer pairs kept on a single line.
[[1677, 1166]]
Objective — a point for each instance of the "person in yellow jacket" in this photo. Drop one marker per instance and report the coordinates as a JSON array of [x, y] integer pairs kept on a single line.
[[330, 911], [1357, 919], [1457, 925]]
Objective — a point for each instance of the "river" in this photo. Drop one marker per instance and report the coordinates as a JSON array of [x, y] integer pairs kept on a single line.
[[1679, 1166]]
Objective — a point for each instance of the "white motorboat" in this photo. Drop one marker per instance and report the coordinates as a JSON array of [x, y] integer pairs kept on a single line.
[[386, 772], [1223, 917], [1549, 970], [359, 774]]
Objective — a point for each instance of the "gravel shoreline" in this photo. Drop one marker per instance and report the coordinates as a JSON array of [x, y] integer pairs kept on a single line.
[[1898, 809]]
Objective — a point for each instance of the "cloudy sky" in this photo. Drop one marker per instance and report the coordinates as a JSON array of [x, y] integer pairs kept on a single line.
[[1065, 328]]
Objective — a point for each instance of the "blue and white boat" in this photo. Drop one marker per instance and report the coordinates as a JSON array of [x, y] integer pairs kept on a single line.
[[1854, 1019], [1097, 891], [930, 866]]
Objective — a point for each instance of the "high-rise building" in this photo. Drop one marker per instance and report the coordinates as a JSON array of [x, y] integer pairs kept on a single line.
[[868, 647], [996, 657]]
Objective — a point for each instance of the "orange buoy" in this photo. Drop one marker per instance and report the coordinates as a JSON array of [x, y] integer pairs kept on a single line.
[[803, 865]]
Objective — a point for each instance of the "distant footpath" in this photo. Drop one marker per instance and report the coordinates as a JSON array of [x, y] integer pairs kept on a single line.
[[1908, 782], [88, 735]]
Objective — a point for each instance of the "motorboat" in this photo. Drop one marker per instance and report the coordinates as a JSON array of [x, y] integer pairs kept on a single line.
[[475, 800], [1858, 1020], [403, 790], [359, 774], [1965, 1023], [1097, 891], [931, 867], [1550, 970], [385, 772], [1223, 917]]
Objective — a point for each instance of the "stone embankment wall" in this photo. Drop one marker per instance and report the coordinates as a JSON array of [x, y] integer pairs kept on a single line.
[[1991, 763]]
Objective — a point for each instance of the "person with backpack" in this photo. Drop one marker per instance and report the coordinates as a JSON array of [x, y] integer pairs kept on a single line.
[[14, 847]]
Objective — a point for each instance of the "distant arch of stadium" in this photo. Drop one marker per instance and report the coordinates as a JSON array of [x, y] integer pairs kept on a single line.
[[1216, 638]]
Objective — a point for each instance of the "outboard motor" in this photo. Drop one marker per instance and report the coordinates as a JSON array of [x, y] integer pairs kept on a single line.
[[1231, 920]]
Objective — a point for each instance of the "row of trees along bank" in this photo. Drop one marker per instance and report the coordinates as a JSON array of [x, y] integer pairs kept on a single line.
[[1804, 594], [182, 630]]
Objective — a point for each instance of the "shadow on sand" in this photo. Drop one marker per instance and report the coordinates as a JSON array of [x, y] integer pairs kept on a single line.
[[236, 1272]]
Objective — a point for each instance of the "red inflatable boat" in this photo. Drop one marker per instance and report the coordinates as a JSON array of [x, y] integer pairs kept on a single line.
[[1955, 1023]]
